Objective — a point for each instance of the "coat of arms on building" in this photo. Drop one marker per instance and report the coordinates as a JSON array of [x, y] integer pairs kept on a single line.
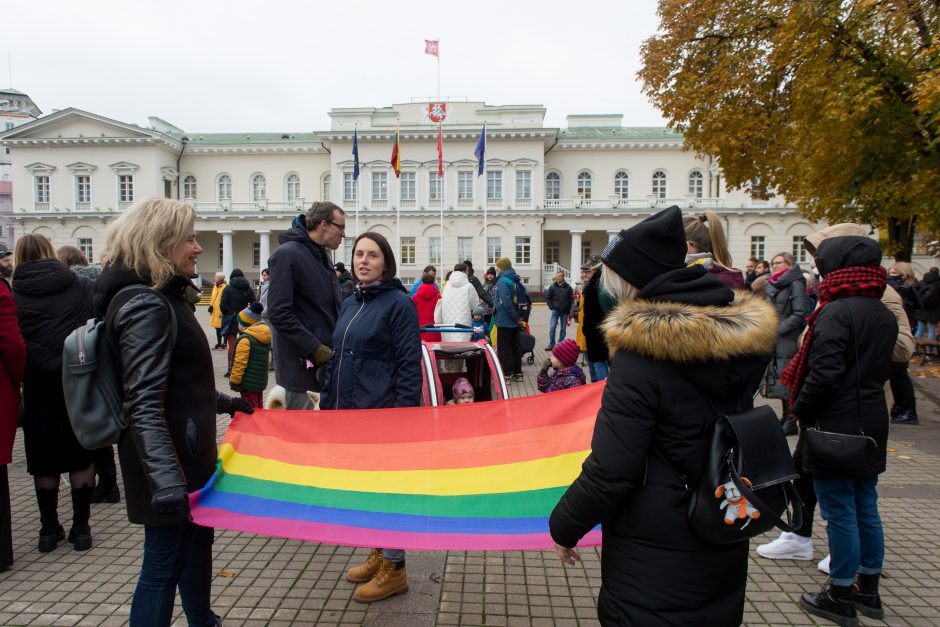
[[437, 111]]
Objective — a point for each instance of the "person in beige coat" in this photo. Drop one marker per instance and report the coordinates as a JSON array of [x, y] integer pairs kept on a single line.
[[799, 545]]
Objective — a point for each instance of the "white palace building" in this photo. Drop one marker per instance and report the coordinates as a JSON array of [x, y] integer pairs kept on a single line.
[[548, 195]]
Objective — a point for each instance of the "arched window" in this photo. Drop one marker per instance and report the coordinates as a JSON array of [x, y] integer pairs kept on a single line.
[[189, 186], [225, 187], [326, 187], [622, 185], [696, 184], [293, 187], [659, 184], [584, 185], [552, 186], [259, 187]]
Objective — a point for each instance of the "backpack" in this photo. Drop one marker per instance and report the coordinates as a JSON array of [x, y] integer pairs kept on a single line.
[[520, 297], [91, 380]]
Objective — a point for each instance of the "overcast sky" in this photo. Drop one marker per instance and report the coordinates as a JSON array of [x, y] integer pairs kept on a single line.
[[216, 66]]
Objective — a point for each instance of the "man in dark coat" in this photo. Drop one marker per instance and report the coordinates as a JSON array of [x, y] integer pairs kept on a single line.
[[347, 285], [304, 301], [475, 282], [658, 410], [558, 297]]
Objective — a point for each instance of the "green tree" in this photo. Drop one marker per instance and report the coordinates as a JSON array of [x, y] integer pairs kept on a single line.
[[834, 105]]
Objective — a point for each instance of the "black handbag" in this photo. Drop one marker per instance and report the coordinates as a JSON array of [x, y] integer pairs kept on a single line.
[[826, 453], [748, 453]]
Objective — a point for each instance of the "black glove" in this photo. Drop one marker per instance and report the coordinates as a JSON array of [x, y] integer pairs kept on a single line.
[[230, 404], [210, 308], [172, 501]]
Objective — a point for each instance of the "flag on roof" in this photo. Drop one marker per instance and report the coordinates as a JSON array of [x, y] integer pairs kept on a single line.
[[396, 155], [356, 154], [480, 151], [463, 477]]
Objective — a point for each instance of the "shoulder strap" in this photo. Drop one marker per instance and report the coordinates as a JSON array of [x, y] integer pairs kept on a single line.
[[140, 288]]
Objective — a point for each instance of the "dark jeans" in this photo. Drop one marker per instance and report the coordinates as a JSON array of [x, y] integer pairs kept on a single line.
[[902, 389], [856, 537], [805, 489], [509, 349], [176, 556], [556, 318]]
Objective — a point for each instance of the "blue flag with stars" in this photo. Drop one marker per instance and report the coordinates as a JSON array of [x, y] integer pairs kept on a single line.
[[480, 151]]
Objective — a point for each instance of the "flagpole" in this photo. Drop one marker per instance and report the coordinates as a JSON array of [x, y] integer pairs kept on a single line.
[[443, 183], [398, 206], [486, 251], [438, 68], [358, 195]]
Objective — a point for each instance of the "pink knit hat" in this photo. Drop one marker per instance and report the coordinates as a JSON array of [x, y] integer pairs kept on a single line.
[[567, 352], [462, 386]]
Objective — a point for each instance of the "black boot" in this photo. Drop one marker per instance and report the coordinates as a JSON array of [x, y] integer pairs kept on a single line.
[[867, 600], [106, 491], [80, 533], [833, 602], [906, 417], [50, 532]]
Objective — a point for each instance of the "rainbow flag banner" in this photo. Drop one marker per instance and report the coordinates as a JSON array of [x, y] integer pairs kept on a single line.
[[465, 477]]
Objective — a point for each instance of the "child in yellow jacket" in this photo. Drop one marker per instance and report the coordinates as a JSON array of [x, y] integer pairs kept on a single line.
[[248, 373]]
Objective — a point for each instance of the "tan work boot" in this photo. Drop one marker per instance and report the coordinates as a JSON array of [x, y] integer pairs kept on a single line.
[[365, 572], [389, 581]]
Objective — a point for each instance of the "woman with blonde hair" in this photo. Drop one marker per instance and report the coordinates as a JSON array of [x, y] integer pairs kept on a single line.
[[170, 401], [708, 246], [51, 301]]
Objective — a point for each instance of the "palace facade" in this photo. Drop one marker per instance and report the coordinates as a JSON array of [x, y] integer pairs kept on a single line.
[[548, 198]]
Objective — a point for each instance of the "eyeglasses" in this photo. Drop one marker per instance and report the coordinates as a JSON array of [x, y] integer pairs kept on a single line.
[[777, 263], [341, 227]]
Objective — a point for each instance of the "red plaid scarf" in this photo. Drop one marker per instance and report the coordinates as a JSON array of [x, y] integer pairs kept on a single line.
[[838, 284]]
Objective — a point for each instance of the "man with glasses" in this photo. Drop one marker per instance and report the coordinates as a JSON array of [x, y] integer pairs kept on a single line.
[[304, 300]]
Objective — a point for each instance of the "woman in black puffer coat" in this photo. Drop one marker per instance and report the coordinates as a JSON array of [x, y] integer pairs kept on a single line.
[[658, 410], [169, 447], [786, 290], [51, 301], [236, 296]]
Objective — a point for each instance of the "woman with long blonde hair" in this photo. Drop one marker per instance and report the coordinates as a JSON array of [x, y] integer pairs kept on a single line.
[[170, 401], [708, 246]]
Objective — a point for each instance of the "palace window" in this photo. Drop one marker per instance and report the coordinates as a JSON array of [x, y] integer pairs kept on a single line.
[[758, 247], [494, 249], [659, 184], [552, 251], [465, 248], [494, 185], [83, 189], [407, 184], [256, 254], [799, 249], [435, 186], [380, 186], [552, 186], [523, 184], [584, 185], [293, 187], [523, 250], [326, 187], [259, 188], [434, 250], [464, 185], [622, 185], [350, 188], [126, 188], [85, 245], [408, 251], [189, 186], [696, 184], [42, 189], [225, 187]]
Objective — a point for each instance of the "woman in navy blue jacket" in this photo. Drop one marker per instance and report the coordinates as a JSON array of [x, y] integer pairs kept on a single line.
[[376, 363]]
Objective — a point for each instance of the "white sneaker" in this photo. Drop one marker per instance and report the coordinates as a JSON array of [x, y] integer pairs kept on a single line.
[[823, 564], [789, 546]]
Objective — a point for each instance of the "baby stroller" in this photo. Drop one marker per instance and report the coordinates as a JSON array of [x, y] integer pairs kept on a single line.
[[526, 339], [445, 362]]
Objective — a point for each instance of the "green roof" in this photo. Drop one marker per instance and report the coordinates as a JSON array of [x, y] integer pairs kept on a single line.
[[616, 132]]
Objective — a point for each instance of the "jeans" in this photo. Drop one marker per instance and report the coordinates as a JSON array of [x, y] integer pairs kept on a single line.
[[926, 328], [394, 555], [856, 538], [598, 370], [174, 557], [555, 319], [509, 350]]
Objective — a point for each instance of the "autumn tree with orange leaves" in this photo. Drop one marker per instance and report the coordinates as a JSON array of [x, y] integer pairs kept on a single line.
[[834, 105]]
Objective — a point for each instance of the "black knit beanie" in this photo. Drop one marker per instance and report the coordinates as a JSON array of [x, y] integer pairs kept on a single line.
[[653, 247]]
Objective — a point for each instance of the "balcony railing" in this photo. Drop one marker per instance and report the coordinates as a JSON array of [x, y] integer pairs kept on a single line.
[[523, 203], [379, 203], [43, 206], [494, 202], [633, 203], [124, 204], [408, 204], [83, 206], [561, 203], [707, 203], [464, 203]]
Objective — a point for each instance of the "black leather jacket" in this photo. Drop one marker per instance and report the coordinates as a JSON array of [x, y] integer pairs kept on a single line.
[[169, 391]]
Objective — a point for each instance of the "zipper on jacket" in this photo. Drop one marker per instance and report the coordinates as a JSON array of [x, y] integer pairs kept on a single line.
[[342, 351]]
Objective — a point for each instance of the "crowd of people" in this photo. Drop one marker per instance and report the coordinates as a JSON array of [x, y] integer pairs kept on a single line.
[[679, 334]]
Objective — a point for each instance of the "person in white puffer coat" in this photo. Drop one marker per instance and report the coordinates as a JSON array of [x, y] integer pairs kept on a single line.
[[457, 303]]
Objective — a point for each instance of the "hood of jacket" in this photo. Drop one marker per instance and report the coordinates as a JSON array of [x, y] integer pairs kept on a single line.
[[42, 277], [708, 333], [371, 291], [427, 292], [931, 277], [836, 230], [836, 253], [240, 283], [693, 285], [458, 279], [509, 273], [260, 332], [300, 234]]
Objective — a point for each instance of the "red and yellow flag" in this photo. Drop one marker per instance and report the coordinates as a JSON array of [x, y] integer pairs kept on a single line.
[[396, 155]]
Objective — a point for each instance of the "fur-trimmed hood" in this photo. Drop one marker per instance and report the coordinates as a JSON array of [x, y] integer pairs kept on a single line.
[[685, 334]]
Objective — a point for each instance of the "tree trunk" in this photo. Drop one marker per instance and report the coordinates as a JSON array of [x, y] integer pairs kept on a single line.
[[901, 238]]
